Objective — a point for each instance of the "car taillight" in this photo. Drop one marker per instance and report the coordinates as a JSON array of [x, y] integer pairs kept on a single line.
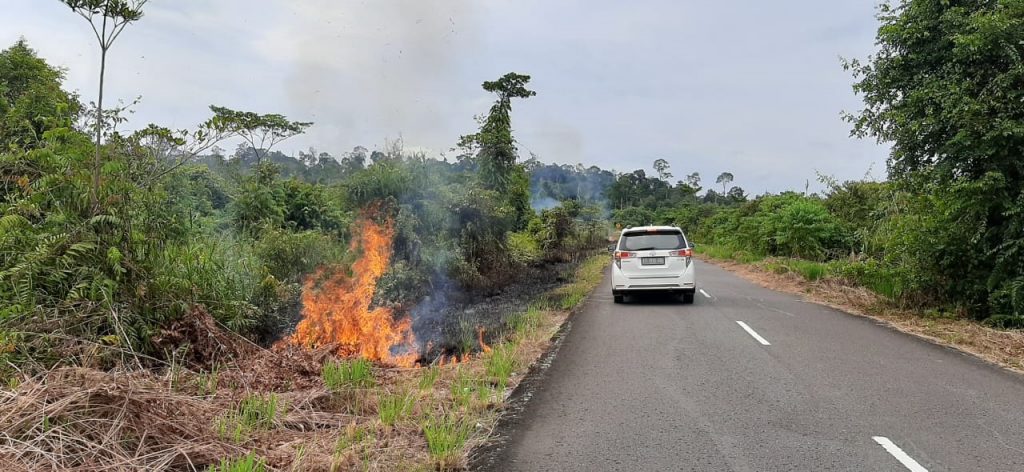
[[682, 253], [620, 255]]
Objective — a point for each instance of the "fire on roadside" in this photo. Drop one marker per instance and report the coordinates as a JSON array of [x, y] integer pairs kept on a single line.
[[336, 306]]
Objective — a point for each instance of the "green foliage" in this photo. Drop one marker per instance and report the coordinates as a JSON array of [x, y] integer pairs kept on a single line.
[[944, 90], [568, 231], [632, 216], [495, 150], [804, 228], [494, 146], [789, 225], [1005, 322], [31, 99], [523, 248], [262, 132], [525, 323], [290, 256], [258, 204]]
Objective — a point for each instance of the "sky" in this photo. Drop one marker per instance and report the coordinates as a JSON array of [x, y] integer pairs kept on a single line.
[[750, 87]]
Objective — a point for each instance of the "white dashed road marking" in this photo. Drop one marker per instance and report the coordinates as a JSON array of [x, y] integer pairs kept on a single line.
[[754, 334], [702, 292], [898, 453]]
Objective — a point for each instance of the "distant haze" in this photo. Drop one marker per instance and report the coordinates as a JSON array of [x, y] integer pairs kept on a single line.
[[750, 87]]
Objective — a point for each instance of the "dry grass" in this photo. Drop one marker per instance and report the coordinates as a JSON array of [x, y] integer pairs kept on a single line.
[[1004, 348], [229, 400]]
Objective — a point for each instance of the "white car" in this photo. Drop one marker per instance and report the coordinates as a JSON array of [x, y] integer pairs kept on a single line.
[[653, 259]]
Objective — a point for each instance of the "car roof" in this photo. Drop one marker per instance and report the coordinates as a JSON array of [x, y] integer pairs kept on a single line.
[[644, 229]]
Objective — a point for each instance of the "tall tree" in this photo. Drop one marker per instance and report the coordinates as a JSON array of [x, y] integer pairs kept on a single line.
[[108, 18], [261, 132], [662, 168], [693, 180], [495, 147], [725, 178], [946, 88], [496, 153]]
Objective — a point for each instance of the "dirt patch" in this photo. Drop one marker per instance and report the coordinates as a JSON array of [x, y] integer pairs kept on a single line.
[[1003, 348]]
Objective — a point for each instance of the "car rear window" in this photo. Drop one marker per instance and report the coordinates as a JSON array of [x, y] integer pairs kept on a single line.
[[652, 240]]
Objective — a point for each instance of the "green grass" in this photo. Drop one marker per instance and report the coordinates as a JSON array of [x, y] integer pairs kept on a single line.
[[715, 252], [467, 339], [254, 412], [353, 435], [500, 363], [429, 377], [258, 412], [395, 407], [745, 257], [526, 323], [207, 382], [587, 276], [809, 270], [446, 435], [249, 463], [462, 389], [347, 373]]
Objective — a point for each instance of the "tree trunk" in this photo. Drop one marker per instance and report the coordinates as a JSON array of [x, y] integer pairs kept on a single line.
[[96, 163]]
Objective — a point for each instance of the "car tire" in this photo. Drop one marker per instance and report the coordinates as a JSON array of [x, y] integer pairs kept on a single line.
[[687, 298], [619, 298]]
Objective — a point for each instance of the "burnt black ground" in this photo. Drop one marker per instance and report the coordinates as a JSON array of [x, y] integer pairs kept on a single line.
[[442, 321], [657, 385]]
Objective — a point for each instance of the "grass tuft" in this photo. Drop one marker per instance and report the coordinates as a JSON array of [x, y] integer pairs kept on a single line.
[[248, 463], [347, 373], [394, 407], [500, 363], [254, 412], [446, 435], [429, 377]]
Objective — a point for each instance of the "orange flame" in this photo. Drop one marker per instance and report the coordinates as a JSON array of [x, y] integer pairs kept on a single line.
[[337, 310], [480, 337]]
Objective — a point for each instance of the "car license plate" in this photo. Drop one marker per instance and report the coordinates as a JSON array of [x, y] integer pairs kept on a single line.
[[652, 261]]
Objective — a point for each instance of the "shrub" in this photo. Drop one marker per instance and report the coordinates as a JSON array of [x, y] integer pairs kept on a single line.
[[523, 248], [1005, 322], [289, 256]]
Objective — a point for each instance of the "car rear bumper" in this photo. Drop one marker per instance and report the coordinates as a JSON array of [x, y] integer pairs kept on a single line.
[[683, 283], [638, 289]]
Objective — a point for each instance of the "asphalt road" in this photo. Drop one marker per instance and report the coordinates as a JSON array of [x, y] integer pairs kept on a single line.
[[657, 385]]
